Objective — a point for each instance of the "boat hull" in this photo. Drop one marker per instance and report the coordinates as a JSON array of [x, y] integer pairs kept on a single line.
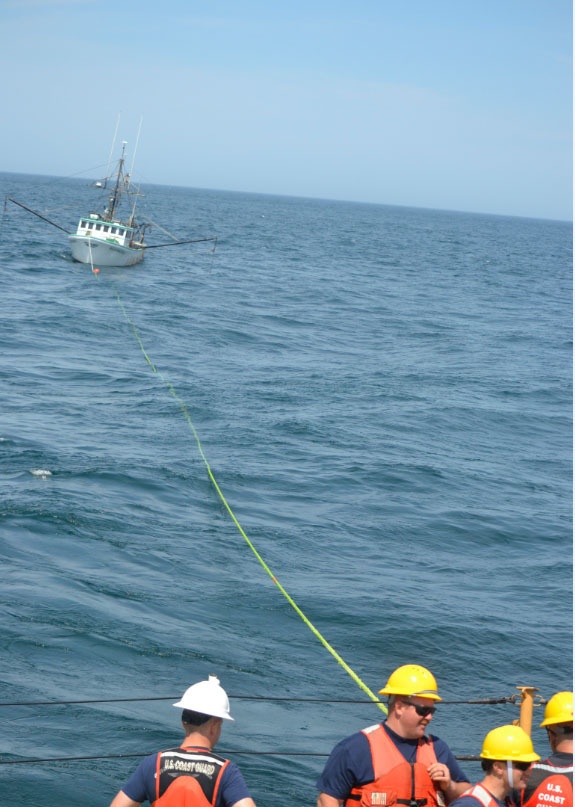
[[98, 252]]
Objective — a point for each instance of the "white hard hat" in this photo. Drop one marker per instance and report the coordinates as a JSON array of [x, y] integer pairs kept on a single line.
[[208, 698]]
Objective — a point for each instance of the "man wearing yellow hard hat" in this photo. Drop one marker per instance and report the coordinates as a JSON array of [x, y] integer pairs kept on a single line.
[[550, 782], [395, 762], [506, 757]]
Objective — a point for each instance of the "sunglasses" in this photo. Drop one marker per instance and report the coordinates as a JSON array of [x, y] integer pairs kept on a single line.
[[422, 711], [522, 766]]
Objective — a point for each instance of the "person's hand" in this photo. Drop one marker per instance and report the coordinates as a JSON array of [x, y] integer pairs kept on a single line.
[[439, 772]]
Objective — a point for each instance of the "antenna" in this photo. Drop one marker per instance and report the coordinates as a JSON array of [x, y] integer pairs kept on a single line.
[[136, 146], [113, 146], [132, 217]]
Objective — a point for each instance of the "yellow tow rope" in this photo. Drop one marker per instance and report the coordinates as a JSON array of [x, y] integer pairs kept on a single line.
[[293, 604]]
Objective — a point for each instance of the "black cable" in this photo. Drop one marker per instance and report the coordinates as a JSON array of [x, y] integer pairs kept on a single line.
[[468, 758], [488, 701]]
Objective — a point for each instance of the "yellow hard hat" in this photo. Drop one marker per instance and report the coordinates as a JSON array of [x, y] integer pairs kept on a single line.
[[559, 709], [508, 743], [411, 679]]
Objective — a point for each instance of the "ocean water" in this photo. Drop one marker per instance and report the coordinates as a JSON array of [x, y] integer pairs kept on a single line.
[[383, 395]]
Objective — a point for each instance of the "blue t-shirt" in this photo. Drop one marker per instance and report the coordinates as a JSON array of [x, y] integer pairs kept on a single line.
[[349, 764], [141, 785]]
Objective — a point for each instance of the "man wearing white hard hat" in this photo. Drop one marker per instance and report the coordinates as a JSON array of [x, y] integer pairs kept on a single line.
[[191, 775]]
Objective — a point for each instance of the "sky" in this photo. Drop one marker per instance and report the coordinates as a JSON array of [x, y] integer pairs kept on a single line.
[[446, 104]]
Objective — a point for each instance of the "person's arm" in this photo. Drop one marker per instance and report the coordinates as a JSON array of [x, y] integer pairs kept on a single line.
[[447, 773], [233, 789], [455, 790], [441, 775], [140, 787], [328, 801], [121, 800], [348, 765]]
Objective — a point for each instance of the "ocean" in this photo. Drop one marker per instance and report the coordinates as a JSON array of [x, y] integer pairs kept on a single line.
[[383, 396]]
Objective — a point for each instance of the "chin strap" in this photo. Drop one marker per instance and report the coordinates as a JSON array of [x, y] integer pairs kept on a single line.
[[510, 773]]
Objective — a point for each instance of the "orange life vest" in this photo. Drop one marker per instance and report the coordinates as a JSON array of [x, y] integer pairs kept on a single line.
[[483, 796], [188, 777], [397, 781], [553, 786]]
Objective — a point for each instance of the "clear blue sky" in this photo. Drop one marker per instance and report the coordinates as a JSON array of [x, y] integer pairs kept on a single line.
[[453, 104]]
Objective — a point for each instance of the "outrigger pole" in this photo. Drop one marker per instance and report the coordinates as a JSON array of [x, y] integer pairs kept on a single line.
[[175, 243], [29, 209], [150, 246]]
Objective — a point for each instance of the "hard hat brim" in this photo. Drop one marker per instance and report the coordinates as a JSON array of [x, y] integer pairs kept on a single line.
[[533, 757], [181, 705], [555, 721], [433, 696]]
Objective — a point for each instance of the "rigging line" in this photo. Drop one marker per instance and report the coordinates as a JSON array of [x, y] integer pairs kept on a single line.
[[482, 701], [151, 222], [175, 697], [128, 756], [213, 254], [460, 757], [91, 256], [232, 515]]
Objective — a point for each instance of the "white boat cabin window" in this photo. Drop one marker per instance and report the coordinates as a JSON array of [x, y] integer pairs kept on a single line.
[[113, 229]]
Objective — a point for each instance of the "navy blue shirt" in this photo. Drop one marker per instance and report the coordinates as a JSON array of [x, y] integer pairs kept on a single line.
[[350, 765], [141, 785]]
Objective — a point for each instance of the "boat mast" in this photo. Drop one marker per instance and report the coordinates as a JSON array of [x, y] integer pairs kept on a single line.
[[118, 189]]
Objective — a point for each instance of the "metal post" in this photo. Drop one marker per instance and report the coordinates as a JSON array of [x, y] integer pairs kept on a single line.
[[526, 708]]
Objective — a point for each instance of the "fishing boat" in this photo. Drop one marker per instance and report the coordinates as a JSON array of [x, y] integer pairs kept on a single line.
[[113, 237], [107, 239]]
